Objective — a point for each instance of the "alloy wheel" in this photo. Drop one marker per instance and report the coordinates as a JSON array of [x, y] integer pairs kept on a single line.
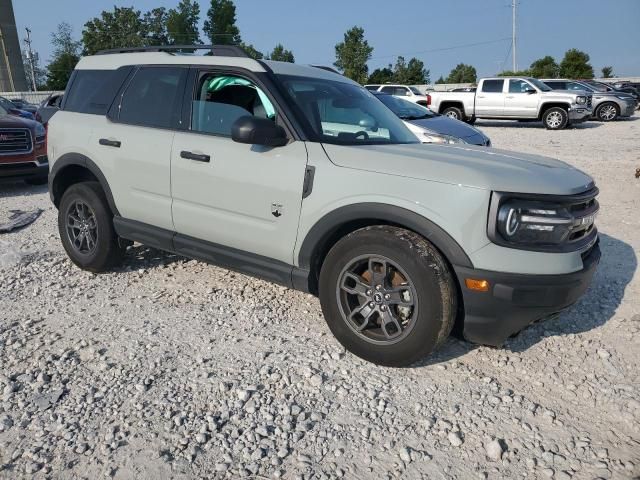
[[82, 227], [377, 299], [608, 112], [554, 119]]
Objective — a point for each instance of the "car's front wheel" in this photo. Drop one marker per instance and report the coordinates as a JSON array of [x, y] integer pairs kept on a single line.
[[85, 224], [555, 118], [607, 112], [388, 295]]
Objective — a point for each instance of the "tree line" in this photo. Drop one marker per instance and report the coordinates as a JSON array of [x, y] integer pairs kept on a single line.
[[129, 27]]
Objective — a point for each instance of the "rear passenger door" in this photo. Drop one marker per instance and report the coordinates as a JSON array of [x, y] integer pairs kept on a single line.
[[490, 98], [227, 194], [136, 141]]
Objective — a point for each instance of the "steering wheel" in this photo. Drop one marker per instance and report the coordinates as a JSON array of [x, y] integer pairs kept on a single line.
[[361, 133]]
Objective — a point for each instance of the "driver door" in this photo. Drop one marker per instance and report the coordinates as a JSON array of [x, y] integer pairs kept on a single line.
[[519, 101], [245, 197]]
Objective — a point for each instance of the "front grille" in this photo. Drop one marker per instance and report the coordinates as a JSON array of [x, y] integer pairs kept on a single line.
[[583, 209], [15, 141]]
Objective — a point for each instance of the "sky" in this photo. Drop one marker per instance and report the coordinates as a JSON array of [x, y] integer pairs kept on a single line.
[[441, 33]]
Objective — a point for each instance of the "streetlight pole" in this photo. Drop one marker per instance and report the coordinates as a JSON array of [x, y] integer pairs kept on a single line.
[[513, 37]]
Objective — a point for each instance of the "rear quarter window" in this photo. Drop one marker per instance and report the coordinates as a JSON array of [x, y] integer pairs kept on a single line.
[[93, 91], [492, 86]]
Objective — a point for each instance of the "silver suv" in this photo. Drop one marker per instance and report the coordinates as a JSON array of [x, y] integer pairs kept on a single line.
[[300, 176]]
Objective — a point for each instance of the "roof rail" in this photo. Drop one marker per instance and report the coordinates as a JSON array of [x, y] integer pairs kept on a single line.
[[217, 50], [328, 69]]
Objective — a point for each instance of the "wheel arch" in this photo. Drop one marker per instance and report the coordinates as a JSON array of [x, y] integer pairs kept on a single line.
[[451, 103], [335, 225], [546, 106], [72, 168]]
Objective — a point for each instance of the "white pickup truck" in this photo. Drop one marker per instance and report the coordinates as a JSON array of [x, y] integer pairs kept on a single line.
[[517, 98]]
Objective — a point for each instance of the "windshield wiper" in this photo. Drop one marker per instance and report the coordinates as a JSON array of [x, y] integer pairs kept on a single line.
[[413, 117]]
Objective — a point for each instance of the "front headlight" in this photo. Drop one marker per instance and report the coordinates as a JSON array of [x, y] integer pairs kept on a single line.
[[581, 100], [41, 133], [430, 137], [546, 223]]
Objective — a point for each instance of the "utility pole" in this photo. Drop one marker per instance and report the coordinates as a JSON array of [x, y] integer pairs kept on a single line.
[[30, 58], [513, 36]]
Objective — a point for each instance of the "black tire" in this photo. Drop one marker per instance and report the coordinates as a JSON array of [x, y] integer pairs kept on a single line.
[[555, 118], [432, 291], [454, 112], [36, 180], [607, 112], [106, 251]]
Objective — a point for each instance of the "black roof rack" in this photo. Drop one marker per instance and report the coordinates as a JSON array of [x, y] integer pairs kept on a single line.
[[217, 50], [328, 69]]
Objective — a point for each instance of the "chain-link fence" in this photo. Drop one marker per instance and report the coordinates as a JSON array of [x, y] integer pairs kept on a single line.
[[34, 98]]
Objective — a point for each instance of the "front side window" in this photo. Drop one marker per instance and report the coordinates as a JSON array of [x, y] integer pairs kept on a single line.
[[220, 100], [519, 86], [492, 86], [343, 113], [578, 86], [153, 97]]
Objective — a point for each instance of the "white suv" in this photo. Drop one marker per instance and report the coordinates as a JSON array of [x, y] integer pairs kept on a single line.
[[300, 176], [408, 93]]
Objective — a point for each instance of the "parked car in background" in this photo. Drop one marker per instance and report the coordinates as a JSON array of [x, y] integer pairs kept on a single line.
[[408, 93], [606, 87], [629, 87], [48, 107], [515, 98], [13, 109], [608, 104], [22, 104], [23, 149], [431, 127]]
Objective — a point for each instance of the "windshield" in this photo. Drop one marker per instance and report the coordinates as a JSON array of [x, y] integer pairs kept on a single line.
[[539, 85], [405, 109], [600, 87], [415, 90], [344, 114]]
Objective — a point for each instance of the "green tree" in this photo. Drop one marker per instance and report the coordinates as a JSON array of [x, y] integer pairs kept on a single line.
[[607, 72], [511, 73], [411, 73], [381, 76], [220, 25], [156, 26], [440, 80], [575, 64], [281, 54], [123, 27], [66, 54], [182, 23], [352, 55], [252, 51], [545, 67], [462, 74]]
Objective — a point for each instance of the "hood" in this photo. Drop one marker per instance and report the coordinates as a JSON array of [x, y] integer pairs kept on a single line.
[[13, 121], [471, 166], [447, 126], [567, 93]]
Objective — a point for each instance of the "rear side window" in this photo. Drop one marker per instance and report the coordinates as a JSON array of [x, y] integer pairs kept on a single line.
[[492, 86], [153, 97], [93, 91]]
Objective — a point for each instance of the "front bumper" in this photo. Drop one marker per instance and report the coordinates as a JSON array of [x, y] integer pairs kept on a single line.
[[628, 109], [514, 301], [34, 168], [580, 114]]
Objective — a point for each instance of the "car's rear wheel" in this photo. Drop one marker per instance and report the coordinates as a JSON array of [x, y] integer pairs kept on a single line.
[[388, 295], [555, 118], [454, 112], [607, 112], [85, 224]]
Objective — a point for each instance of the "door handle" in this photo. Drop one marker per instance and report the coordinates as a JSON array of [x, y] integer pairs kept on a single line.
[[480, 96], [510, 96], [110, 143], [198, 157]]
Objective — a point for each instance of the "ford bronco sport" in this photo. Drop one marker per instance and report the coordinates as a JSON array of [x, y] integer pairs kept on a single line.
[[300, 176]]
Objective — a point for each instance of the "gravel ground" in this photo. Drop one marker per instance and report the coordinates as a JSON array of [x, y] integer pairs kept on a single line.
[[170, 368]]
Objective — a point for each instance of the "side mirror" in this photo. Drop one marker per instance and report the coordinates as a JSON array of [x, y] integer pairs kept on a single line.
[[258, 131], [529, 91]]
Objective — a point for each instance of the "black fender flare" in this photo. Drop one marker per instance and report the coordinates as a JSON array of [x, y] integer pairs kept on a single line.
[[372, 212], [71, 159]]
